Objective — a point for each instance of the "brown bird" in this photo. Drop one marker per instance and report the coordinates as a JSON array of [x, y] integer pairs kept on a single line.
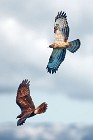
[[24, 101]]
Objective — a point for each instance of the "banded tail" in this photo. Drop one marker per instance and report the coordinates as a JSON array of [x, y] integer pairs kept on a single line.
[[74, 45], [41, 108]]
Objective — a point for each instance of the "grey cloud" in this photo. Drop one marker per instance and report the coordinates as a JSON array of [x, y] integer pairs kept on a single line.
[[69, 84], [73, 85], [47, 131], [21, 58], [7, 89], [39, 16], [33, 14], [72, 82], [9, 136]]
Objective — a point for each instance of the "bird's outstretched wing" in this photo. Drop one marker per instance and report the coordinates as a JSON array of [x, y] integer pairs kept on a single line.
[[56, 58], [24, 101], [61, 30], [61, 25]]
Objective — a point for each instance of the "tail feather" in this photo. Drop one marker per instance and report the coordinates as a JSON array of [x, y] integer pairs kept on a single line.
[[74, 45], [41, 108]]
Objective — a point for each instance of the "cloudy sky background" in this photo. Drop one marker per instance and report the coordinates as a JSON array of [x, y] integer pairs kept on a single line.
[[46, 132], [26, 30]]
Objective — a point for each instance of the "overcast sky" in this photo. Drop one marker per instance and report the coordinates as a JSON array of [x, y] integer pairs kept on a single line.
[[26, 30], [46, 132]]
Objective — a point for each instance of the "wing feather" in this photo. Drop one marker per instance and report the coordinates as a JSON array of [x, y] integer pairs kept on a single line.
[[23, 89], [61, 21], [56, 58], [23, 98]]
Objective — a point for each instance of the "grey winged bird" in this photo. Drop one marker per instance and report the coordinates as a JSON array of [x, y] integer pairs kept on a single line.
[[24, 101], [60, 45]]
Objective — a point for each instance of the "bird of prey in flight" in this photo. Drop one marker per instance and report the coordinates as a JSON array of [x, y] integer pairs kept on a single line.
[[61, 44], [24, 101]]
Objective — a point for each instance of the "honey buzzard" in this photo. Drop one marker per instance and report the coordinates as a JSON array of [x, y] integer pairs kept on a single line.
[[60, 45], [24, 101]]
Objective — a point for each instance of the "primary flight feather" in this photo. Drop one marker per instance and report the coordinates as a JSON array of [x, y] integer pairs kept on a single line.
[[60, 45], [24, 101]]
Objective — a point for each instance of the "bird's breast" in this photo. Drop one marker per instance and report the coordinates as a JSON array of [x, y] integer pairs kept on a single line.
[[58, 37]]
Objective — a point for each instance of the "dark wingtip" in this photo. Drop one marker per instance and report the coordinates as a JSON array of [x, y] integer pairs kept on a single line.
[[60, 15], [21, 123], [26, 81], [79, 42], [51, 71]]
